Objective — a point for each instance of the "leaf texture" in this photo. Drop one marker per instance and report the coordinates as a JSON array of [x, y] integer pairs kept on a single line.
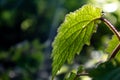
[[73, 34]]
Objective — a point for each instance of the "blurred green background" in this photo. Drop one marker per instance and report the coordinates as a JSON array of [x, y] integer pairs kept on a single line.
[[28, 27]]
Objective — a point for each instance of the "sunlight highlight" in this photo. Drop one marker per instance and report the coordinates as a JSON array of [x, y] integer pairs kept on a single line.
[[111, 7]]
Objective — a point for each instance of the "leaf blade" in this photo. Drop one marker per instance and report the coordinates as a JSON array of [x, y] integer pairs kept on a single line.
[[75, 31]]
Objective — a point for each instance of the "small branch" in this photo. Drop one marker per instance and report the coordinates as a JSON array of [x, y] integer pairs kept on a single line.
[[81, 74], [115, 51], [112, 28]]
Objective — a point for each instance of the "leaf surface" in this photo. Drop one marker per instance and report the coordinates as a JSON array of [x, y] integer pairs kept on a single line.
[[73, 34]]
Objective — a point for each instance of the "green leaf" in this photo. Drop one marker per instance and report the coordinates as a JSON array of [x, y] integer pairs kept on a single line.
[[73, 34], [112, 45]]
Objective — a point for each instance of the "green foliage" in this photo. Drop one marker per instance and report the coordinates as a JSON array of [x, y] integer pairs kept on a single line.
[[80, 69], [73, 34], [26, 59], [73, 75], [106, 71]]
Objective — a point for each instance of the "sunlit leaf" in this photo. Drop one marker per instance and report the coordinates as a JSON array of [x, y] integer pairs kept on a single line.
[[73, 34]]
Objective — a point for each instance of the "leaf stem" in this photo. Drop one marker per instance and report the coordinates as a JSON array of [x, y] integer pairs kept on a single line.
[[83, 74], [115, 51], [112, 28]]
